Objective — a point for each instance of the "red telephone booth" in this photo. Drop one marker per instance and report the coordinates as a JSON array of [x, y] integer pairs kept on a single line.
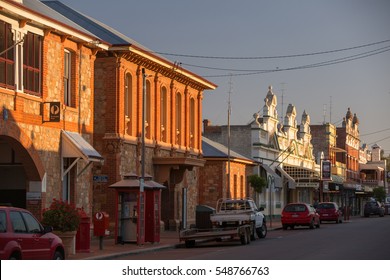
[[127, 209]]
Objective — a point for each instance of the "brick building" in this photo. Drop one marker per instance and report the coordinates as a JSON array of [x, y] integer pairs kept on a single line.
[[348, 139], [214, 176], [46, 106], [325, 148], [173, 113], [283, 152]]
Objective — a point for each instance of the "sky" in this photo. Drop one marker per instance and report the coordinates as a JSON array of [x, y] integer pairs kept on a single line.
[[321, 56]]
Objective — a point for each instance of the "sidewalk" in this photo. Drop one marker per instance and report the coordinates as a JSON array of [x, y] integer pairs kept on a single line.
[[110, 250]]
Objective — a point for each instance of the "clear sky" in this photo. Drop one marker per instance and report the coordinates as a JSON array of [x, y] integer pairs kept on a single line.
[[348, 42]]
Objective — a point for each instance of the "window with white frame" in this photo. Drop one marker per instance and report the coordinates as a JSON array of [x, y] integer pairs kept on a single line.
[[67, 78], [20, 58]]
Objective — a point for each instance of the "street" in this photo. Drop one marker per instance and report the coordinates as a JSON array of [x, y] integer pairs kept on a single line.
[[357, 239]]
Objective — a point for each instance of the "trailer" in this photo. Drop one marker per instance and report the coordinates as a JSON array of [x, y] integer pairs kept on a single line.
[[234, 219], [191, 236]]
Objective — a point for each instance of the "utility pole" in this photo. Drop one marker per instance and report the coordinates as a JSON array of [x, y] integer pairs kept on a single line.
[[228, 140], [141, 197]]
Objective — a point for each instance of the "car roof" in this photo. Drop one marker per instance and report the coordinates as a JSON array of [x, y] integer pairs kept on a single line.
[[2, 207]]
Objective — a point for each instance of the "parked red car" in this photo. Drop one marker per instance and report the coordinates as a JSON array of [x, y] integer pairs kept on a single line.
[[299, 214], [23, 237], [329, 211]]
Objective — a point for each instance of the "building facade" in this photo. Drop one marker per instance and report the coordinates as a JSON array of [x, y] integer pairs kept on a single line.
[[348, 139], [224, 175], [46, 105], [282, 150], [133, 84]]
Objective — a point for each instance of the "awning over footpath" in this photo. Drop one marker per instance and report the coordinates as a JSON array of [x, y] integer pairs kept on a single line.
[[277, 179], [291, 181], [73, 145]]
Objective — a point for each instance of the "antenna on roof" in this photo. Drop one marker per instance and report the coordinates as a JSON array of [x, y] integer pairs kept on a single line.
[[330, 110], [324, 114], [282, 90]]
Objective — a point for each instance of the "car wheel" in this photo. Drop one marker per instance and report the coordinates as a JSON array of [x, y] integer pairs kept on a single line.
[[190, 243], [244, 237], [253, 233], [311, 224], [15, 256], [58, 256], [262, 231], [285, 227]]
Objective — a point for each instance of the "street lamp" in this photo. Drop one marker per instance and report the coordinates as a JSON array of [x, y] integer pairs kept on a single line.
[[271, 184]]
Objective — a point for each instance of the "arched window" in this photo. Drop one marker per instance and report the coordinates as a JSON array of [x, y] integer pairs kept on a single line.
[[163, 114], [192, 122], [148, 111], [128, 95], [128, 103], [178, 118], [235, 191]]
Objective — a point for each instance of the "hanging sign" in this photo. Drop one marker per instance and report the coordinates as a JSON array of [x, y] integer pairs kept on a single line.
[[326, 170]]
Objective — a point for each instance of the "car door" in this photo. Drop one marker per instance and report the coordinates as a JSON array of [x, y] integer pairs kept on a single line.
[[41, 243], [21, 235], [258, 214]]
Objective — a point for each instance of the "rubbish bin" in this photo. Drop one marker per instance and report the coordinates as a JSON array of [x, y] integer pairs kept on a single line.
[[83, 236], [203, 213]]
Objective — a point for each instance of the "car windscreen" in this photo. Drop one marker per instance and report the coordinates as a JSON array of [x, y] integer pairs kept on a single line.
[[325, 206], [295, 208]]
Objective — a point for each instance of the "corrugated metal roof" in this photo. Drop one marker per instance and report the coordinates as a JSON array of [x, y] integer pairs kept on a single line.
[[74, 145], [99, 29], [214, 149], [43, 9]]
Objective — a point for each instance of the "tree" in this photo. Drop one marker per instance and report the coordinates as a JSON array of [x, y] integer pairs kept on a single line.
[[379, 194], [257, 182]]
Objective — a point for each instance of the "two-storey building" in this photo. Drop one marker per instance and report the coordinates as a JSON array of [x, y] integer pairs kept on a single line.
[[133, 83], [46, 107]]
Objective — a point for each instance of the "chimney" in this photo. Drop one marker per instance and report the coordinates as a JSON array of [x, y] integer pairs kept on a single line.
[[206, 123]]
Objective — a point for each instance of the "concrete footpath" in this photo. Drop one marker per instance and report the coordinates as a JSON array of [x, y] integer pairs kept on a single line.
[[110, 250]]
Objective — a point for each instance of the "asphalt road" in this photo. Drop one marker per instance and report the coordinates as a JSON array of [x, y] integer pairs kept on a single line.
[[358, 239]]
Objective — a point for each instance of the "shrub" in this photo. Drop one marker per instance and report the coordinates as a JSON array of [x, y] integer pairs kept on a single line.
[[62, 216]]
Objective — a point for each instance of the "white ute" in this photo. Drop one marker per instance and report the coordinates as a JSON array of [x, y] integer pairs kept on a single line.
[[233, 218]]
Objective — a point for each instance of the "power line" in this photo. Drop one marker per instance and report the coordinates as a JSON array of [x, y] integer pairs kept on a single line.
[[272, 57], [308, 66], [367, 134], [388, 137]]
